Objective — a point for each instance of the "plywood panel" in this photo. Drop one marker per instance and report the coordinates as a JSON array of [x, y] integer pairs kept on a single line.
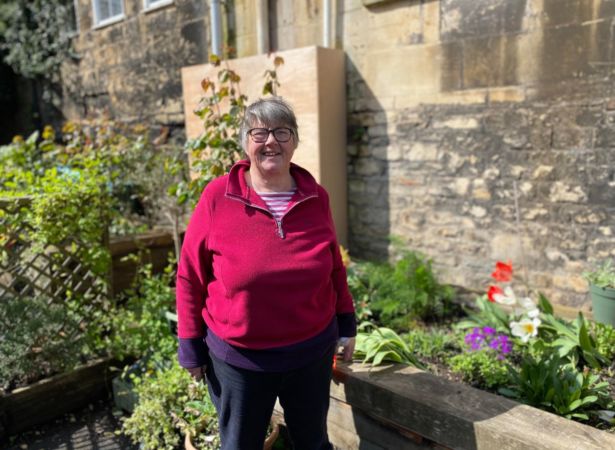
[[312, 81]]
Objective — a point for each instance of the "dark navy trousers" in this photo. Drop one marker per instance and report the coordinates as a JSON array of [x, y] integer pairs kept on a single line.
[[245, 400]]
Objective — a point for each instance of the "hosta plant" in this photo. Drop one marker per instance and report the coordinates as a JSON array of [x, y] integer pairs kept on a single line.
[[384, 344]]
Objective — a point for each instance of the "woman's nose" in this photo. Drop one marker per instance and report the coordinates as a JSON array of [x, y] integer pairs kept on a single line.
[[271, 139]]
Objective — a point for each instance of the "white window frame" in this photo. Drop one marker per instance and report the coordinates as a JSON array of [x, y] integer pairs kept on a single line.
[[149, 5], [98, 23], [75, 32]]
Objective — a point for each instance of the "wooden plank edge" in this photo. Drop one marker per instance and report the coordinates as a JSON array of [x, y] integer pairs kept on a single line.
[[47, 399], [130, 244], [456, 415]]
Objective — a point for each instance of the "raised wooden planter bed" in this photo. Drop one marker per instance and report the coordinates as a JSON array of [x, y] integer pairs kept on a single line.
[[41, 402], [158, 244], [400, 407]]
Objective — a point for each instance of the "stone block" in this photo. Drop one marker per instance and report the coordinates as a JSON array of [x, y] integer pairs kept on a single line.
[[573, 282], [423, 151], [478, 211], [542, 172], [512, 94], [534, 213], [569, 136], [417, 70], [490, 61], [461, 19], [572, 52], [605, 136], [559, 13], [562, 192], [459, 122], [368, 167], [480, 190], [512, 246], [460, 186], [589, 117]]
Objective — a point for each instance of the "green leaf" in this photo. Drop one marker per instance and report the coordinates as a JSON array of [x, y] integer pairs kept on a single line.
[[544, 305]]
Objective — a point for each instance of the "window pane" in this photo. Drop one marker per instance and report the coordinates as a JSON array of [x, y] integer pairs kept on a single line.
[[108, 9], [116, 7], [103, 10]]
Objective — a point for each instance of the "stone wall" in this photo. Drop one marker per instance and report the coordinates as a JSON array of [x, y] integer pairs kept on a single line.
[[482, 130], [130, 69], [478, 129]]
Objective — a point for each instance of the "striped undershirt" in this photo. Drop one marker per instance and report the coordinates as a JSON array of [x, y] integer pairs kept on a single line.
[[277, 202]]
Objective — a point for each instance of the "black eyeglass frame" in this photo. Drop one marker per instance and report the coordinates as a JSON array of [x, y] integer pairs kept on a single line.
[[269, 131]]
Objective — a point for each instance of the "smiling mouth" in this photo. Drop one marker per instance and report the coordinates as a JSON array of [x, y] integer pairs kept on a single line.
[[269, 154]]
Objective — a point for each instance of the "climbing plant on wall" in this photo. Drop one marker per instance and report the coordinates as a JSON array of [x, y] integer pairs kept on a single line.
[[35, 35]]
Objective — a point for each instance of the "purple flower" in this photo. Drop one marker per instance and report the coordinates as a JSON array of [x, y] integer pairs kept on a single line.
[[487, 338]]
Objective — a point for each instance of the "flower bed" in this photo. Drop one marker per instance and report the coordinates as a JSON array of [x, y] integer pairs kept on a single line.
[[511, 345]]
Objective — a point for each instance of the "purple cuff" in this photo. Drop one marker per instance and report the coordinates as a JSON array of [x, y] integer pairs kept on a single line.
[[347, 325], [192, 352]]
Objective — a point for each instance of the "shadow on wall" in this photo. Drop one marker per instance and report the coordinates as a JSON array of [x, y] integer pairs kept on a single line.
[[368, 143]]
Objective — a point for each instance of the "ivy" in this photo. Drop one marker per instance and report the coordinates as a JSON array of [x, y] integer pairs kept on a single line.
[[35, 35]]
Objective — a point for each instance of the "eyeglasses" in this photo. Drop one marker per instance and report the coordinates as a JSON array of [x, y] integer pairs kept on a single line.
[[260, 135]]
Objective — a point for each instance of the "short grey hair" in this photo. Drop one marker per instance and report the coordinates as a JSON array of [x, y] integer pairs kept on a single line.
[[269, 112]]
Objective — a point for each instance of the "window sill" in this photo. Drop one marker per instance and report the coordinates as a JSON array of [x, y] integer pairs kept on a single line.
[[109, 21], [157, 6]]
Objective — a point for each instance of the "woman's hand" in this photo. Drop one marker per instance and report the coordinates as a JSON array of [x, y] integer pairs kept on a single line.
[[197, 373], [347, 347]]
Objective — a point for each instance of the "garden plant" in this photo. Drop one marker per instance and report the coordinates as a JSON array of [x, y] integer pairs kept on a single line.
[[100, 176]]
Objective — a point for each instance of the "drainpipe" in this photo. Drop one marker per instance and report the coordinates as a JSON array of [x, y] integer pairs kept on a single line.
[[262, 26], [326, 24], [216, 28]]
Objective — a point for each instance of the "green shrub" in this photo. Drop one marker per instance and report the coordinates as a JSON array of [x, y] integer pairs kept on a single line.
[[139, 326], [402, 293], [604, 339], [38, 339], [431, 343], [170, 402], [481, 368], [602, 276]]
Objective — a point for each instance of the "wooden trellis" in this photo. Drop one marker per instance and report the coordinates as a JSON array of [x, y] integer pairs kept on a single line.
[[52, 272]]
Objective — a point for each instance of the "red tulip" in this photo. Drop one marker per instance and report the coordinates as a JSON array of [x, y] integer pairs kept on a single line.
[[503, 271], [493, 290]]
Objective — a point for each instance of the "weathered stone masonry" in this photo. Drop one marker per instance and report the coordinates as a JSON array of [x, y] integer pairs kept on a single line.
[[457, 110], [522, 96], [131, 69]]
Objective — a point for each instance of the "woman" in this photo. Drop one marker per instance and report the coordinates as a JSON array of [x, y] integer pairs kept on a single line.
[[262, 297]]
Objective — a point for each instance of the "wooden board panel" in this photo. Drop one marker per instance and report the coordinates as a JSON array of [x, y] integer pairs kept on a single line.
[[41, 402], [312, 79], [455, 415]]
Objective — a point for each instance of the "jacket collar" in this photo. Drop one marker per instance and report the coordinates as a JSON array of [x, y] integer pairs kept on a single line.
[[236, 185]]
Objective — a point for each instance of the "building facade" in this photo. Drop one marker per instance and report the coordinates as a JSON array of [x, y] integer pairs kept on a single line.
[[479, 130]]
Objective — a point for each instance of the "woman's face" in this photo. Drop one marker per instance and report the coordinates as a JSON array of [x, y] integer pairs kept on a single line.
[[270, 157]]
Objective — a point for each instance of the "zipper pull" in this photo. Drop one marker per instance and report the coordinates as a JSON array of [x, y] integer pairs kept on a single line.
[[280, 230]]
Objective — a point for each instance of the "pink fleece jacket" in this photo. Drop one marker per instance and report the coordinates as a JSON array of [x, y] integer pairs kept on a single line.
[[258, 283]]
